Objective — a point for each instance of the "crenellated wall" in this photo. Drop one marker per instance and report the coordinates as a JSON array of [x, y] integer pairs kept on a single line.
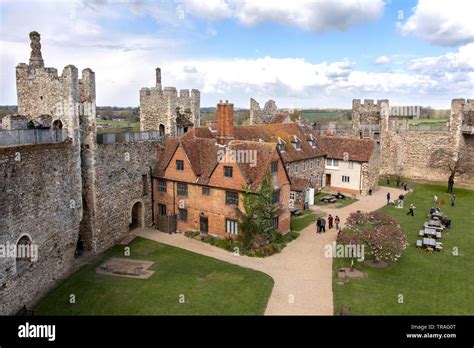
[[406, 151], [163, 110]]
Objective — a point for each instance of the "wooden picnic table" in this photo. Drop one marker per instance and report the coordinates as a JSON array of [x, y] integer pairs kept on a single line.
[[432, 224], [430, 231], [429, 242], [330, 199]]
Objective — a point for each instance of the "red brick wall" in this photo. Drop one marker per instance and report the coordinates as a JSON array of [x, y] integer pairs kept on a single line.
[[214, 206]]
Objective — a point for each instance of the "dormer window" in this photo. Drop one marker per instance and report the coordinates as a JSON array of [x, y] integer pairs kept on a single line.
[[296, 143], [281, 145], [312, 141]]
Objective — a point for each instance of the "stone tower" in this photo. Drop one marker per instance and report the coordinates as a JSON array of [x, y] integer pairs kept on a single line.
[[165, 111], [63, 101]]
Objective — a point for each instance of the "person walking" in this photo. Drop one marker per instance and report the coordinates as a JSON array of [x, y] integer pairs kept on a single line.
[[330, 221], [388, 198], [370, 192], [318, 225], [435, 198], [323, 225], [453, 200], [398, 181], [405, 186], [337, 221], [410, 210]]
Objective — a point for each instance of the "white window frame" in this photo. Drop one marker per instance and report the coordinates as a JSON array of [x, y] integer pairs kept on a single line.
[[332, 163], [231, 227], [293, 196], [346, 179]]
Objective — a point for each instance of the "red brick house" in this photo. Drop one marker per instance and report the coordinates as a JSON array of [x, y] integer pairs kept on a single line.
[[199, 182]]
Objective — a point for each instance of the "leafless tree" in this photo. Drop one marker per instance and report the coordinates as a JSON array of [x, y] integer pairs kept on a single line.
[[455, 162]]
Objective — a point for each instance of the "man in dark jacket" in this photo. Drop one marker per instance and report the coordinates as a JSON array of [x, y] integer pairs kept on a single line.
[[323, 225], [318, 225]]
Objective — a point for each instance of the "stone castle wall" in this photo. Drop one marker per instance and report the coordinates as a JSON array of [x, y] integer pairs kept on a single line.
[[265, 115], [61, 192], [40, 196], [118, 186], [407, 152]]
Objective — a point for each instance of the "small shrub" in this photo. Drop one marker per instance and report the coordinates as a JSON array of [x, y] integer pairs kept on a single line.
[[191, 234]]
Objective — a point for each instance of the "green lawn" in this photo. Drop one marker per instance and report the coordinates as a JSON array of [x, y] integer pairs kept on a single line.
[[299, 223], [437, 284], [338, 204], [209, 286]]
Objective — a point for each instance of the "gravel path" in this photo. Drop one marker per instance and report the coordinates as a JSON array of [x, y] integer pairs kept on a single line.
[[302, 274]]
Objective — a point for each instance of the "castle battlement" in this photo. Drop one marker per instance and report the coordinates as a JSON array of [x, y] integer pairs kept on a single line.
[[43, 93], [166, 111]]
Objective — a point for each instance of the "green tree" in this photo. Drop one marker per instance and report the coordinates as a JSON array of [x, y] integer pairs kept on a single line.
[[255, 221]]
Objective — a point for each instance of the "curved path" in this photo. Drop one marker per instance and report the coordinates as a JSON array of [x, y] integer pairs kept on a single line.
[[301, 272]]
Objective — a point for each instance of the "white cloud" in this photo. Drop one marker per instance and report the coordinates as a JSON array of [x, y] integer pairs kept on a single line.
[[124, 62], [211, 9], [381, 60], [315, 16], [445, 23]]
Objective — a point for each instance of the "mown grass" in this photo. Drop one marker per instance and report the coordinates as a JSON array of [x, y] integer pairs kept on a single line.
[[299, 223], [209, 287], [436, 284]]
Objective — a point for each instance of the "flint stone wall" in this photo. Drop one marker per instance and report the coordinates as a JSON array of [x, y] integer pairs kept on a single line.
[[40, 196]]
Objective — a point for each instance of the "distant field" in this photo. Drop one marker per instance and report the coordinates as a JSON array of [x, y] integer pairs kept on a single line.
[[323, 116], [430, 121], [118, 126]]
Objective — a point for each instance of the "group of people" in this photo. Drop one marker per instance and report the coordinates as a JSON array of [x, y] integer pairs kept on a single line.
[[321, 223], [400, 183], [401, 199]]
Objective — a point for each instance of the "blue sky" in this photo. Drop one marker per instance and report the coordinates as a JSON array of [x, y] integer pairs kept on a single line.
[[299, 53]]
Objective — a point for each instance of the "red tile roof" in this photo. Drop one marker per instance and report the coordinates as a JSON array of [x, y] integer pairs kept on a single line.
[[203, 156], [299, 184], [359, 150], [271, 133]]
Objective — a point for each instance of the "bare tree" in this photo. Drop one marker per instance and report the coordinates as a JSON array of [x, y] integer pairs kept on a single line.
[[455, 162]]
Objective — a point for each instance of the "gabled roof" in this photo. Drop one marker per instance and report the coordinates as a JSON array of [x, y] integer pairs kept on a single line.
[[359, 150], [299, 184], [279, 118], [270, 133], [203, 157]]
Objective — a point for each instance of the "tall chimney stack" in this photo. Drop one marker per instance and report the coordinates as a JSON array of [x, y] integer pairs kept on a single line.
[[158, 77], [36, 59], [225, 122]]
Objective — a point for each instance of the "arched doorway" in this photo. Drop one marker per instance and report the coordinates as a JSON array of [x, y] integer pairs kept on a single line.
[[161, 130], [23, 254], [57, 124], [137, 215]]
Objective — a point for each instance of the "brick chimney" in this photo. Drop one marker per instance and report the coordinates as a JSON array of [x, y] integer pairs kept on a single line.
[[225, 122]]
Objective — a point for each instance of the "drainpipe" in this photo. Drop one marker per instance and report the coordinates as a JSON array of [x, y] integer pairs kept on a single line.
[[360, 178], [152, 199]]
